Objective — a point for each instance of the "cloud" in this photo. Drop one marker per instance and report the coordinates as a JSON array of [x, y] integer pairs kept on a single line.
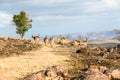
[[45, 2], [62, 17], [5, 19], [60, 1], [47, 18], [56, 17], [102, 5]]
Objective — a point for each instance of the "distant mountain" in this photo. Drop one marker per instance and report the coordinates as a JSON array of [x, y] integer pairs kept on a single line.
[[93, 36]]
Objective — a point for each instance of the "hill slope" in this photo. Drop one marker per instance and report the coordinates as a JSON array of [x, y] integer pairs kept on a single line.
[[93, 36]]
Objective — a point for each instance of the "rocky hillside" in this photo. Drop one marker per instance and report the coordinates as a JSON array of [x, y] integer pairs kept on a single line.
[[95, 36]]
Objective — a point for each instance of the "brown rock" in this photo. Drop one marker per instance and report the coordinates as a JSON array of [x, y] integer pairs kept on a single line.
[[58, 78], [31, 77], [93, 68], [81, 50], [115, 74], [111, 50], [105, 54], [96, 76], [102, 68], [36, 76], [51, 72], [108, 73], [3, 38]]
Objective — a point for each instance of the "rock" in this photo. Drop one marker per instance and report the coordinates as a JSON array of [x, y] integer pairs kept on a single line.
[[81, 50], [52, 73], [3, 38], [58, 78], [104, 49], [93, 68], [105, 54], [115, 74], [2, 45], [111, 50], [31, 77], [108, 73], [61, 71], [95, 76], [102, 68], [36, 76]]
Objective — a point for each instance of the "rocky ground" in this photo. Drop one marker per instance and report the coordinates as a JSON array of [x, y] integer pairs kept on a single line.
[[25, 60], [96, 64]]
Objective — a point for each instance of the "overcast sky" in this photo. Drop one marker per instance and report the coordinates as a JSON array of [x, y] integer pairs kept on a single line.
[[52, 17]]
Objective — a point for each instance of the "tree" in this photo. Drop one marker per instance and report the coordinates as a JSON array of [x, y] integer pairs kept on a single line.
[[22, 23]]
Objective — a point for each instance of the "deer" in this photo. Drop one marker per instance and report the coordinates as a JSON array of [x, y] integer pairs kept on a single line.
[[81, 42], [46, 40], [52, 41], [84, 42], [36, 38], [63, 40]]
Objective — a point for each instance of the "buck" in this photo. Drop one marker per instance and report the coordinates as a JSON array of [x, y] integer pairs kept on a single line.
[[36, 38]]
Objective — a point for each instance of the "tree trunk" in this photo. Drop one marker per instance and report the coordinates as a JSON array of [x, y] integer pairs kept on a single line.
[[22, 35]]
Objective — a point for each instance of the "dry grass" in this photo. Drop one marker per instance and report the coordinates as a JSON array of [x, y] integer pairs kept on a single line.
[[15, 67]]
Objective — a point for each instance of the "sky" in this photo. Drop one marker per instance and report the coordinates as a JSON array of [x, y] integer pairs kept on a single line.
[[54, 17]]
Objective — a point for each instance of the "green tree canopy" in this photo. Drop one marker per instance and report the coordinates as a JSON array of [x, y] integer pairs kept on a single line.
[[22, 22]]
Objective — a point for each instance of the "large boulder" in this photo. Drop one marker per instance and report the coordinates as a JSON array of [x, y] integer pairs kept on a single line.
[[95, 68], [115, 74], [96, 76]]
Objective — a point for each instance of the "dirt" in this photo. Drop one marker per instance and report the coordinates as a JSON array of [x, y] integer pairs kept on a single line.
[[18, 66]]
